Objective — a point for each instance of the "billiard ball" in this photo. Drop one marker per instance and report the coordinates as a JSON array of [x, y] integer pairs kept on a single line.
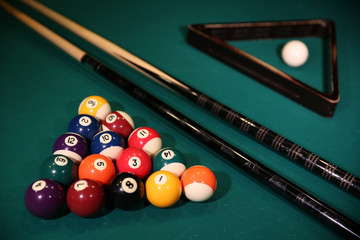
[[169, 159], [59, 168], [198, 183], [97, 167], [107, 143], [85, 198], [295, 53], [163, 189], [84, 125], [126, 191], [45, 198], [119, 122], [95, 106], [71, 145], [134, 160], [145, 138]]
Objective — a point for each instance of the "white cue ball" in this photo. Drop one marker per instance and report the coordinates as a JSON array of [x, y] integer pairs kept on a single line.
[[295, 53]]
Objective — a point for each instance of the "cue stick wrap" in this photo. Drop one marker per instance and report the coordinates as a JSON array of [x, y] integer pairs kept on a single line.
[[319, 210], [303, 157]]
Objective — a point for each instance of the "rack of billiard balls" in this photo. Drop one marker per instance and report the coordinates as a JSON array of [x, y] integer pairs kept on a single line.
[[102, 161]]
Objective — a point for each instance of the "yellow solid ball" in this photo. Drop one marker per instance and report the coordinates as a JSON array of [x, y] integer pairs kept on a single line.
[[163, 189]]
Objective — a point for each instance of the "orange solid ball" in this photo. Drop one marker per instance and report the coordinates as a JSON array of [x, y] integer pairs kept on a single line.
[[97, 167], [198, 183]]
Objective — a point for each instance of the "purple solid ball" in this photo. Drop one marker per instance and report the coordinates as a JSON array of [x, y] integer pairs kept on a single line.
[[45, 198], [71, 145]]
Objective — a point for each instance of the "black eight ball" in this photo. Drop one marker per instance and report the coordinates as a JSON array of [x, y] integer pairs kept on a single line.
[[126, 191]]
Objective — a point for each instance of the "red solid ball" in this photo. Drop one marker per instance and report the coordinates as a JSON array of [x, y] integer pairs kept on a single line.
[[135, 161]]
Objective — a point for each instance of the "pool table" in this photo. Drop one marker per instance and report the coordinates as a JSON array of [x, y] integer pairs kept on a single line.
[[42, 87]]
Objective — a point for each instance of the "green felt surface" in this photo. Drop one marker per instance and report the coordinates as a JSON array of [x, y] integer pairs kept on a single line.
[[41, 88]]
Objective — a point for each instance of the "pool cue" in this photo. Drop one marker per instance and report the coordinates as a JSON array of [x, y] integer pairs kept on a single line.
[[300, 198], [294, 152]]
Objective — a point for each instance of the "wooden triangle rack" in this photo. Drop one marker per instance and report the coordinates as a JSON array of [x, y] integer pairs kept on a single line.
[[211, 38]]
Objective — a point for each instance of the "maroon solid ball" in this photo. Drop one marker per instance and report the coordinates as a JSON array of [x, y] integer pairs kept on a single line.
[[71, 145], [45, 198], [85, 198]]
